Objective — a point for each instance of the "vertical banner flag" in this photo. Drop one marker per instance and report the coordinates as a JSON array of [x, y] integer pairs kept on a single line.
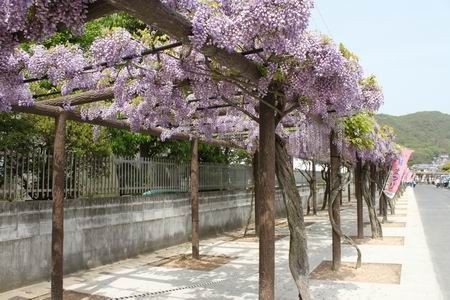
[[411, 176], [408, 176], [398, 169]]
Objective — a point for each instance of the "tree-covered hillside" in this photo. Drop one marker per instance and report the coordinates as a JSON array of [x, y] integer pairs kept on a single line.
[[427, 133]]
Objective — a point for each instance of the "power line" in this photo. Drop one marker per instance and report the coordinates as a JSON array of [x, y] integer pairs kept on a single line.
[[323, 21]]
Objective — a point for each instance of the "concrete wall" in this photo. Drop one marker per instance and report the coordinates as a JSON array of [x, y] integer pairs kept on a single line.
[[106, 230]]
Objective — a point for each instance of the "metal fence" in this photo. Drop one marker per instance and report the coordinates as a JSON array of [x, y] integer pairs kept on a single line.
[[28, 176]]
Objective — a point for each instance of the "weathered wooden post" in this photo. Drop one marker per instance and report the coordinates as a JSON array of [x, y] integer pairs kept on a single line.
[[359, 199], [194, 200], [266, 166], [349, 192], [314, 186], [57, 272], [335, 182], [256, 188]]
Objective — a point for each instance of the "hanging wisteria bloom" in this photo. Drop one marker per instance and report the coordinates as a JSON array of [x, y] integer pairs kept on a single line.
[[184, 91]]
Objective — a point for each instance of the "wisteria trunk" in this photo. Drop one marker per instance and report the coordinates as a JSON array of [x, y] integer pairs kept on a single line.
[[336, 185], [298, 256], [375, 224], [373, 184], [326, 195], [308, 202], [382, 176], [334, 203]]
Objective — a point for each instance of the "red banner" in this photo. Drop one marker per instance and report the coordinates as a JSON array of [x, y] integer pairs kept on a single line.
[[398, 169]]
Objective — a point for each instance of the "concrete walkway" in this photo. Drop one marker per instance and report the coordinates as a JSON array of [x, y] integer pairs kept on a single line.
[[135, 279]]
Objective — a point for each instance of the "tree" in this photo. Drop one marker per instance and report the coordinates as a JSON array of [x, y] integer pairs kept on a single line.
[[17, 132], [374, 147], [130, 144], [446, 167], [21, 132], [311, 178]]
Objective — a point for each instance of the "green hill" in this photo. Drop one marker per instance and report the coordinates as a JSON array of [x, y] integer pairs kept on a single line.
[[427, 133]]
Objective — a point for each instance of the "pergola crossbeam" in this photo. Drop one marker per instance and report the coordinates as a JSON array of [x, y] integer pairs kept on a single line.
[[54, 111], [80, 98]]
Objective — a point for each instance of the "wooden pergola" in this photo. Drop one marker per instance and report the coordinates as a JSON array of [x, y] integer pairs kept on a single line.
[[154, 13], [53, 108]]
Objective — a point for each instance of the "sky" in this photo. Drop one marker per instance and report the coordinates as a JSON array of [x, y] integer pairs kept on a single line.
[[405, 43]]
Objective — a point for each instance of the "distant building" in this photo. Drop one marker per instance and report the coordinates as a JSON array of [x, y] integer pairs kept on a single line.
[[425, 168], [434, 167], [441, 159]]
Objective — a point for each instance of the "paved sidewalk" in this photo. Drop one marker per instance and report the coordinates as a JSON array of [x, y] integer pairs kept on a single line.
[[239, 278]]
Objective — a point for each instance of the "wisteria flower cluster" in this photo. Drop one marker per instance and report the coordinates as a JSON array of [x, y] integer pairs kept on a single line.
[[244, 25], [30, 20], [188, 92]]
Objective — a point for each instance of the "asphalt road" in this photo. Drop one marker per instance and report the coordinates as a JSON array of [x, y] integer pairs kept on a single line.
[[434, 208]]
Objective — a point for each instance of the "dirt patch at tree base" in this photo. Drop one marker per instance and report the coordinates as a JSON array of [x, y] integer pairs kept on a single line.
[[72, 295], [369, 272], [385, 241], [185, 261]]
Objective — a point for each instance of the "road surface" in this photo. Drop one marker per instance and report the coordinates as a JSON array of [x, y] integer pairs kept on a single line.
[[434, 208]]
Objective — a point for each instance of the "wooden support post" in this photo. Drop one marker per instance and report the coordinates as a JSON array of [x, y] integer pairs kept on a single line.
[[383, 207], [380, 191], [349, 195], [359, 199], [256, 188], [267, 200], [314, 186], [380, 205], [349, 186], [57, 272], [194, 200], [335, 164]]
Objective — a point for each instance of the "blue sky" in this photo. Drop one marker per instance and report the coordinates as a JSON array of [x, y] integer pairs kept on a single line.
[[406, 44]]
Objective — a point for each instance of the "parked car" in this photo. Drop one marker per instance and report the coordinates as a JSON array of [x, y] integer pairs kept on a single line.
[[443, 181]]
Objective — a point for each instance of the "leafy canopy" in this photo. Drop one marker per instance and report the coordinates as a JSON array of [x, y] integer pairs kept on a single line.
[[446, 167], [358, 129]]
